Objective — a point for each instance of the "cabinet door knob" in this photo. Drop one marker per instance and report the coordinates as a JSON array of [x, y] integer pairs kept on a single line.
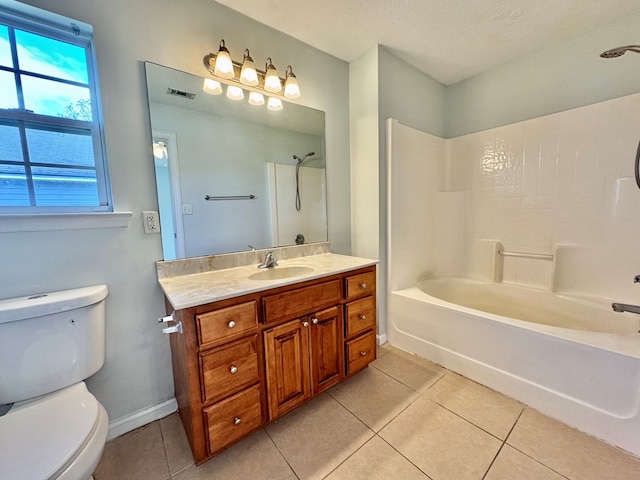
[[305, 324], [314, 321], [237, 421], [363, 354], [363, 285], [233, 369], [363, 316], [231, 324]]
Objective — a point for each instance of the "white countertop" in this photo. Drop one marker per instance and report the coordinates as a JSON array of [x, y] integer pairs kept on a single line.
[[186, 291]]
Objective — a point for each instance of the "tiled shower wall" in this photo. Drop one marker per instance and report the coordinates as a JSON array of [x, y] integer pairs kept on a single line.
[[550, 180]]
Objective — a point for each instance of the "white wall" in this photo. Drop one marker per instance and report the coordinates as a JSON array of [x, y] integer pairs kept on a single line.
[[137, 373]]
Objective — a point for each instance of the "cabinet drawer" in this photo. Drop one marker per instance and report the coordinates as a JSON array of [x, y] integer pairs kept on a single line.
[[231, 419], [360, 352], [360, 285], [361, 316], [220, 325], [300, 301], [229, 369]]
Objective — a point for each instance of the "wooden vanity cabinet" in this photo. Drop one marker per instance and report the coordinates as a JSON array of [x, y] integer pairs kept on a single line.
[[243, 362]]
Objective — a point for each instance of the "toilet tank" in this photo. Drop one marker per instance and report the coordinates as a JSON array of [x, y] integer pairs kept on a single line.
[[49, 341]]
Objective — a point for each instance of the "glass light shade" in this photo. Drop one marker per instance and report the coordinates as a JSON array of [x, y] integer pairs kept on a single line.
[[256, 98], [271, 79], [212, 87], [234, 93], [160, 150], [291, 88], [274, 104], [248, 74], [224, 66]]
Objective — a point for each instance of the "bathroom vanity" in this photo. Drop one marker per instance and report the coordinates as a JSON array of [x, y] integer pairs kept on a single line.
[[256, 344]]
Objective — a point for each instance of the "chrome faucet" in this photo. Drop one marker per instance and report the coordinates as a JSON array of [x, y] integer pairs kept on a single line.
[[269, 261], [623, 307]]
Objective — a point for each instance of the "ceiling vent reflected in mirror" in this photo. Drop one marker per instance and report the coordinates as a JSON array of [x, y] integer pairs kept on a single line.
[[180, 93]]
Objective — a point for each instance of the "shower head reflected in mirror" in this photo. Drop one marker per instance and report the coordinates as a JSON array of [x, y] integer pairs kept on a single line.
[[619, 51], [302, 159]]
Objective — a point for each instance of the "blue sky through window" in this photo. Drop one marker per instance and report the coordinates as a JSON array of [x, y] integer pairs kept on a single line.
[[45, 56]]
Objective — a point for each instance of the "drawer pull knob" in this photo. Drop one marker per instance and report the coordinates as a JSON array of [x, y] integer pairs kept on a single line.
[[233, 369], [231, 324], [314, 321], [363, 316], [237, 421], [363, 285], [305, 324], [363, 354]]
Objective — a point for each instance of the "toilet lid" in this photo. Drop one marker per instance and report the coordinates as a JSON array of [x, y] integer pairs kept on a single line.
[[39, 438]]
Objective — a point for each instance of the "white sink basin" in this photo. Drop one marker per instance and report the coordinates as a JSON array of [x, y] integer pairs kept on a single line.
[[278, 273]]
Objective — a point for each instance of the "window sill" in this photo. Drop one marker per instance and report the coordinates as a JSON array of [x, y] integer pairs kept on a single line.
[[63, 221]]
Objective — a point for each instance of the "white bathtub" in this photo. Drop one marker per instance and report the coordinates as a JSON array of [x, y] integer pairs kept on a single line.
[[571, 358]]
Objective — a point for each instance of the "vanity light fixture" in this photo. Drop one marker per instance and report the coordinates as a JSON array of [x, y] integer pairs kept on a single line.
[[224, 65], [291, 88], [240, 76], [234, 93], [274, 104], [256, 98], [248, 74], [272, 83], [212, 87]]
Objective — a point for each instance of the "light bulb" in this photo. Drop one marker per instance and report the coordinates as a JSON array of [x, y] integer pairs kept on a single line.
[[212, 87], [274, 104], [256, 98], [248, 74], [291, 88], [224, 66], [234, 93], [271, 79]]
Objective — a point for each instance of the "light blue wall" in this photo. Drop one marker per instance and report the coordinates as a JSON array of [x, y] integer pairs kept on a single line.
[[567, 75], [137, 373]]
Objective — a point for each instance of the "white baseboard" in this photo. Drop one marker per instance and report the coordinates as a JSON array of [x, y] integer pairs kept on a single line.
[[141, 417], [382, 338]]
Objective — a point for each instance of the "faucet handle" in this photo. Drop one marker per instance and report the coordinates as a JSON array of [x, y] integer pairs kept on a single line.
[[636, 279]]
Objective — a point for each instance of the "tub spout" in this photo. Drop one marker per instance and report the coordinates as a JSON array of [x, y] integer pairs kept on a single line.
[[623, 307]]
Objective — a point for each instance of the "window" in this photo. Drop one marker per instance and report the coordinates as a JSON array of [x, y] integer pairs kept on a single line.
[[51, 149]]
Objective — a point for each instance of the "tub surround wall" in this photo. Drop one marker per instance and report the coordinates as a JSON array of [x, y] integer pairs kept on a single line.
[[563, 181]]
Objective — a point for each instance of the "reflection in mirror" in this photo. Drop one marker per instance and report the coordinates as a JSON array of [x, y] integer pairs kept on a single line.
[[254, 165]]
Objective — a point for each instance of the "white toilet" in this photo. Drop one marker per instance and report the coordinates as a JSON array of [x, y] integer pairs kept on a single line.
[[49, 344]]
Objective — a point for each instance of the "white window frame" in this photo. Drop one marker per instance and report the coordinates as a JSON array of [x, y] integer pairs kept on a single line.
[[45, 23]]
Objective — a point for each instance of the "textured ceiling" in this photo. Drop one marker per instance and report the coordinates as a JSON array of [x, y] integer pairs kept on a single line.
[[447, 39]]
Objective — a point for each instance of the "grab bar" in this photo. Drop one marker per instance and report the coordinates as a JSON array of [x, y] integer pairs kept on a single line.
[[540, 256], [623, 307], [230, 197]]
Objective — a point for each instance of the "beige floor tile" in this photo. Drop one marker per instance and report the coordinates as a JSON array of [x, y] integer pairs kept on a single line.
[[569, 452], [318, 436], [441, 444], [513, 465], [176, 444], [138, 454], [415, 372], [255, 458], [373, 397], [382, 350], [486, 408], [376, 460]]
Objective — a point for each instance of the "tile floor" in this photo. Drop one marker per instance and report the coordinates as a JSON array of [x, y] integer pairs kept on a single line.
[[402, 418]]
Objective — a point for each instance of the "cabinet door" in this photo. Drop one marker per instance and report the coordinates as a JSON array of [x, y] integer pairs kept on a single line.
[[326, 349], [287, 359]]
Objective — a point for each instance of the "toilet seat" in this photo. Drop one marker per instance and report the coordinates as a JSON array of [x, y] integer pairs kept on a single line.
[[56, 436]]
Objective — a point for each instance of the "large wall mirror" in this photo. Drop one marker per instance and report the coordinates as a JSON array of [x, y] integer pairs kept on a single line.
[[226, 175]]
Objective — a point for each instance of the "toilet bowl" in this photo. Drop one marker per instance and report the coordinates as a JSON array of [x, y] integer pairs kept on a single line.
[[51, 426], [56, 436]]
